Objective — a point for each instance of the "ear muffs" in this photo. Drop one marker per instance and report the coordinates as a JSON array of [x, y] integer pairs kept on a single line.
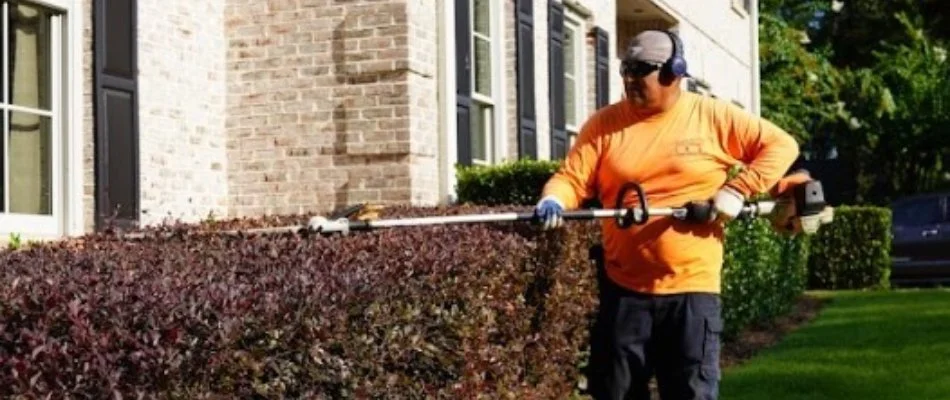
[[676, 65]]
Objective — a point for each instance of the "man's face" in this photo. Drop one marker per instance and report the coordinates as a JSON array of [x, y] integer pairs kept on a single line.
[[642, 84]]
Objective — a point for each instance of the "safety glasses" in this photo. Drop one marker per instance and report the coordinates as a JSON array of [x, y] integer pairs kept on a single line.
[[637, 69]]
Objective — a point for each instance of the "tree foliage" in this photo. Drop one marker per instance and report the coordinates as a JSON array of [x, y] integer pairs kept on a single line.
[[901, 114], [865, 82], [799, 88]]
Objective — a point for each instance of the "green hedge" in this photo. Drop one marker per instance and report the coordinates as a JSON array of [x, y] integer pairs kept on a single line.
[[757, 284], [763, 273], [517, 182], [853, 252]]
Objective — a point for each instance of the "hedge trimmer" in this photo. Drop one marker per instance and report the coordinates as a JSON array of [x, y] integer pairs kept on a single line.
[[804, 208]]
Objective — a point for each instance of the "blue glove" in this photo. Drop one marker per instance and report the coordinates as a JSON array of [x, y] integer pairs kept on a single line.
[[549, 211]]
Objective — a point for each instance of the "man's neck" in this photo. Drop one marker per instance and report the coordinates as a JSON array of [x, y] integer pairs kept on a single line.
[[665, 105]]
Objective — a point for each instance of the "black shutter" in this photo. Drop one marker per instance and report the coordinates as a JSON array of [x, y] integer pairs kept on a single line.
[[463, 80], [556, 63], [602, 65], [115, 103], [527, 119]]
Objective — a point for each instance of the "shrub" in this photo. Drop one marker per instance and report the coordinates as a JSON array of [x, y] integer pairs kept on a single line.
[[853, 252], [518, 182], [763, 273], [463, 311]]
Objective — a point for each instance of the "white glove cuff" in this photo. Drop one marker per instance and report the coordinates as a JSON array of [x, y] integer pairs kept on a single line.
[[729, 201]]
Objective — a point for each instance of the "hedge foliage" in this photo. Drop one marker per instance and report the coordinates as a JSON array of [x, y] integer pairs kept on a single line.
[[854, 251], [763, 272], [463, 311], [517, 182]]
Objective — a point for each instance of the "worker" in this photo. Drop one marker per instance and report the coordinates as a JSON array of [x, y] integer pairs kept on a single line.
[[661, 310]]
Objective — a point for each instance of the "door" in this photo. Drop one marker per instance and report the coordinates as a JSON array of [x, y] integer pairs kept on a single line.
[[116, 114]]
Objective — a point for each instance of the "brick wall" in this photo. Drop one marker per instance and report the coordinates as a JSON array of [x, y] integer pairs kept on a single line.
[[88, 143], [183, 164], [422, 79], [330, 103], [181, 49]]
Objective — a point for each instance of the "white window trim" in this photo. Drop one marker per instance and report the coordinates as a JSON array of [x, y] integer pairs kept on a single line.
[[497, 141], [575, 22], [67, 102], [448, 125]]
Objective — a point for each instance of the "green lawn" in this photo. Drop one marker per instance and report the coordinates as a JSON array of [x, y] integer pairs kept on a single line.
[[863, 345]]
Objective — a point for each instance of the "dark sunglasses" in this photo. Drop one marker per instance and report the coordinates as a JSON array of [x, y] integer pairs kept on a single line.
[[637, 69]]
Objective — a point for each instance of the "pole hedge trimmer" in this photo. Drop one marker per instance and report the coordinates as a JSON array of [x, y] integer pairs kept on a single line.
[[803, 209]]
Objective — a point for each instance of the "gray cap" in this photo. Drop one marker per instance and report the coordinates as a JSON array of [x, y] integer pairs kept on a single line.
[[654, 47]]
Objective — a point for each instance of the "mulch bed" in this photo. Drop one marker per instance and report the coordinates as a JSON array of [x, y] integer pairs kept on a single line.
[[755, 338]]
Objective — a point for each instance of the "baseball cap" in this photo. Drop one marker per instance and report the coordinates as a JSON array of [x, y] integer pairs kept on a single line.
[[653, 47]]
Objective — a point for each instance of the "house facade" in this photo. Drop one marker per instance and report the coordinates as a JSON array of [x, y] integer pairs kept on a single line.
[[136, 112]]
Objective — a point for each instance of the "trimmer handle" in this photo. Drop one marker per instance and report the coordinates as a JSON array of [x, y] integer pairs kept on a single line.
[[632, 215]]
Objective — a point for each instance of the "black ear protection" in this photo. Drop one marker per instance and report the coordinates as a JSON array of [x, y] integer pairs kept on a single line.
[[676, 65]]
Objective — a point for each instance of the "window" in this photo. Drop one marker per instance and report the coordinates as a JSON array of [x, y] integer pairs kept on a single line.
[[483, 93], [919, 211], [30, 122], [574, 88]]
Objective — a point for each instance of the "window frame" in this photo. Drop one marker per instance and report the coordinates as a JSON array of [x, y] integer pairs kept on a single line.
[[574, 22], [493, 133], [64, 112]]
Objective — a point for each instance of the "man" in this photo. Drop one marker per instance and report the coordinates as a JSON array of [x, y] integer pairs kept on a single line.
[[660, 309]]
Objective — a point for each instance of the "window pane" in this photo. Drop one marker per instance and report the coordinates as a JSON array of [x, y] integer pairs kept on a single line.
[[482, 66], [570, 49], [481, 129], [917, 212], [31, 169], [29, 61], [481, 12]]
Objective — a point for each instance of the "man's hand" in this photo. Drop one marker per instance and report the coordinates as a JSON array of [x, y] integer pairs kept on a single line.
[[724, 206], [786, 218], [727, 203], [549, 211]]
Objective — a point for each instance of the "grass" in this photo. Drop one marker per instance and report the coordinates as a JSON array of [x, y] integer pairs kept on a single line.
[[863, 345]]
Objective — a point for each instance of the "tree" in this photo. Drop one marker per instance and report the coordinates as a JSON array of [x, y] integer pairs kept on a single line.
[[857, 28], [799, 88], [899, 111]]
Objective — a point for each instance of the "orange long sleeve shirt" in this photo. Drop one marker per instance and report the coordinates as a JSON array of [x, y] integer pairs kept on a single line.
[[681, 155]]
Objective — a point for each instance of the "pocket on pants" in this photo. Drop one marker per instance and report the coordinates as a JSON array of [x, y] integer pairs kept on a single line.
[[711, 348]]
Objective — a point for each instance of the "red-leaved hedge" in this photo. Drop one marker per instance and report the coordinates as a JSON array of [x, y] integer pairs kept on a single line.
[[463, 311]]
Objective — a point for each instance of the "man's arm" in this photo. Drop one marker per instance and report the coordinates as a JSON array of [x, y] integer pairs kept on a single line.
[[766, 150], [575, 181]]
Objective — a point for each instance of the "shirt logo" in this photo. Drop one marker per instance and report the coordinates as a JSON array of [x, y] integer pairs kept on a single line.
[[689, 147]]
